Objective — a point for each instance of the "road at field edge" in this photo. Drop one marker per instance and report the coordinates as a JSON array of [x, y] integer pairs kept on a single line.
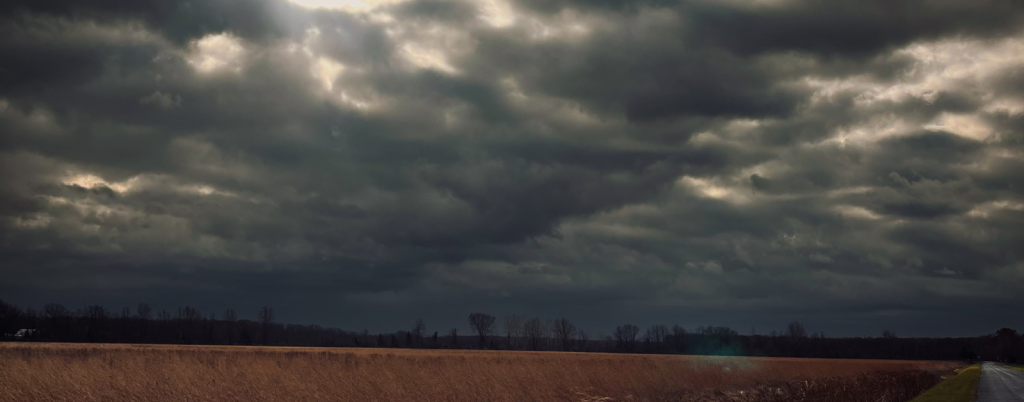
[[1000, 384]]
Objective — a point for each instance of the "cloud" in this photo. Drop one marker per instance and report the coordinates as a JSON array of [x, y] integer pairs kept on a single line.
[[747, 162], [161, 100], [216, 52]]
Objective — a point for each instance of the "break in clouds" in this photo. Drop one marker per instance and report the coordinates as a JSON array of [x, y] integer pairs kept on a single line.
[[852, 164]]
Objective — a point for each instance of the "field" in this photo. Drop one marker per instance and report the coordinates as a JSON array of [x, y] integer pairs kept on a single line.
[[961, 388], [88, 372]]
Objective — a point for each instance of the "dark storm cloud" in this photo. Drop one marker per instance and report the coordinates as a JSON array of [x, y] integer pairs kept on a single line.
[[839, 28], [849, 27], [178, 21], [743, 162]]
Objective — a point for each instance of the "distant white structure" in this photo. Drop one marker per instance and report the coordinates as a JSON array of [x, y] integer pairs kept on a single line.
[[25, 333]]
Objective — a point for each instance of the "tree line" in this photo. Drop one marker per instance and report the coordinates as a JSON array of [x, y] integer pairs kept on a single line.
[[187, 325]]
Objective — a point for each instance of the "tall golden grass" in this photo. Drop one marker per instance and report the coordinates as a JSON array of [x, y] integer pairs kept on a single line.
[[87, 372]]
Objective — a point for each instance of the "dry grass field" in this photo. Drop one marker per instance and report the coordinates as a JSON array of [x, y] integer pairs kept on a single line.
[[88, 372]]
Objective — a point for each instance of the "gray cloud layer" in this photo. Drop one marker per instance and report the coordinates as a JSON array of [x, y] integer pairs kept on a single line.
[[852, 164]]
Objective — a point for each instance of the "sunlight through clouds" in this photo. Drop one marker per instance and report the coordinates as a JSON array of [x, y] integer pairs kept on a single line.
[[346, 5], [326, 71], [216, 52], [91, 181], [497, 13], [612, 142], [428, 58]]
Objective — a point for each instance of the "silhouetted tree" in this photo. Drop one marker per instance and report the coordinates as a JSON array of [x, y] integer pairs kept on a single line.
[[266, 320], [565, 331], [95, 316], [123, 321], [534, 331], [797, 334], [513, 330], [678, 339], [418, 329], [143, 311], [230, 317], [581, 340], [655, 337], [1008, 345], [95, 324], [58, 321], [625, 337], [454, 335], [188, 321], [795, 330], [482, 324]]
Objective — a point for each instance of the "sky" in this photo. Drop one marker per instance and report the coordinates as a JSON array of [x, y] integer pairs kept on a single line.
[[856, 165]]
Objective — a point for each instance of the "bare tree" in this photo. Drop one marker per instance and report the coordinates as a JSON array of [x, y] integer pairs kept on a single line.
[[94, 315], [535, 332], [58, 320], [625, 337], [656, 336], [1008, 345], [889, 334], [188, 318], [482, 324], [188, 313], [418, 329], [565, 331], [678, 338], [795, 330], [54, 311], [124, 319], [229, 324], [513, 330], [581, 340], [143, 311], [266, 320], [454, 335]]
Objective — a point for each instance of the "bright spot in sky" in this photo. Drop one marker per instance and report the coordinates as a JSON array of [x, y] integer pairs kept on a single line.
[[706, 187], [216, 52], [426, 57], [86, 180], [497, 13], [963, 125], [327, 70], [348, 5]]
